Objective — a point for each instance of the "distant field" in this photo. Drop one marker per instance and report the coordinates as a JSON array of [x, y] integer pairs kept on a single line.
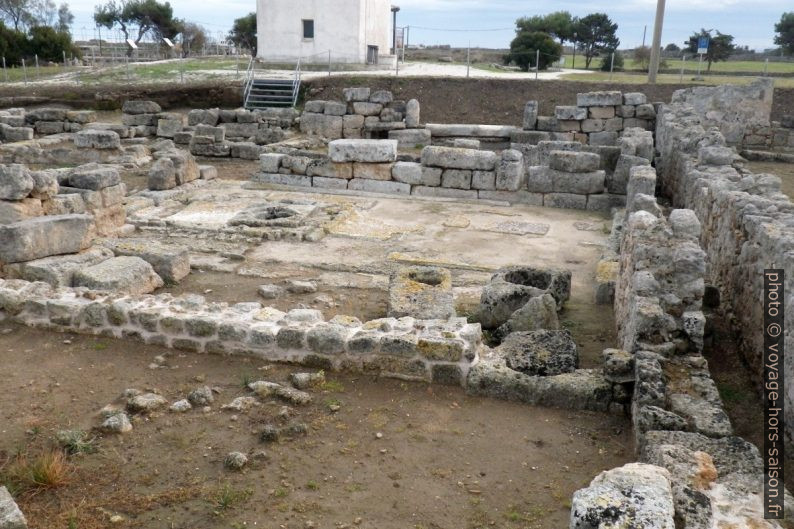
[[638, 78], [692, 65]]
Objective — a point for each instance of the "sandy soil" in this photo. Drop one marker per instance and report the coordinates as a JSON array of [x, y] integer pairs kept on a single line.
[[442, 459]]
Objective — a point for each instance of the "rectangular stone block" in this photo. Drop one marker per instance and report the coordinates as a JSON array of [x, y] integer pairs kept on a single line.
[[452, 158], [411, 138], [367, 151], [574, 162], [407, 173], [327, 169], [593, 125], [283, 179], [329, 127], [531, 137], [97, 139], [169, 261], [431, 176], [547, 123], [605, 202], [567, 113], [456, 178], [45, 236], [439, 130], [601, 112], [240, 130], [329, 183], [625, 111], [365, 108], [270, 162], [530, 115], [599, 99], [603, 138], [514, 197], [49, 127], [539, 179], [617, 182], [485, 180], [577, 183], [379, 186], [634, 98], [16, 210], [569, 125], [565, 201], [372, 171]]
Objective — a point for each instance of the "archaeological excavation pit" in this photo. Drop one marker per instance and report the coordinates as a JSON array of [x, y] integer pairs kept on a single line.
[[333, 316]]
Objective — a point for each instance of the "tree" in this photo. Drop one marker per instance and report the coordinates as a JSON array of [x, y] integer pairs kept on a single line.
[[149, 16], [642, 58], [524, 48], [559, 25], [672, 48], [12, 44], [19, 13], [194, 37], [785, 32], [65, 18], [50, 44], [596, 33], [720, 46], [243, 33], [607, 65]]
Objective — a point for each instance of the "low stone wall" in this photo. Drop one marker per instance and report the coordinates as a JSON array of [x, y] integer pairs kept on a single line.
[[775, 136], [747, 222], [440, 351]]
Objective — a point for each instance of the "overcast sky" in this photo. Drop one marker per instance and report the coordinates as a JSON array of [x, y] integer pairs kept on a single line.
[[752, 23]]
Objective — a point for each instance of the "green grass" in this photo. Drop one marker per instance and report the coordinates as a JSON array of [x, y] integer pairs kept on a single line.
[[640, 78], [691, 65], [227, 497], [76, 442]]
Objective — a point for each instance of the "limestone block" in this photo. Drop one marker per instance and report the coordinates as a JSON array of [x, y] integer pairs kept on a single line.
[[485, 180], [599, 99], [125, 275], [94, 177], [451, 158], [16, 182], [530, 115], [412, 114], [565, 201], [568, 113], [407, 173], [574, 162], [366, 151], [421, 292], [10, 515], [381, 97], [617, 182], [510, 175], [170, 262], [140, 107], [577, 183], [411, 138], [356, 94], [49, 127], [45, 236], [367, 109], [531, 137], [372, 171], [97, 139], [456, 178], [379, 186], [330, 127]]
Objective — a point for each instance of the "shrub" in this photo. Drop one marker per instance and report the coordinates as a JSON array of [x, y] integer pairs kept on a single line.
[[523, 50]]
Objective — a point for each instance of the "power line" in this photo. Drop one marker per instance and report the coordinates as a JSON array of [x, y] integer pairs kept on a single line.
[[463, 30]]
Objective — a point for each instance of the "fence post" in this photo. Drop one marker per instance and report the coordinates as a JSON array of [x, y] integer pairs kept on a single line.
[[237, 55], [611, 65], [468, 60], [683, 63], [25, 71], [5, 72], [537, 63], [38, 72], [766, 66], [329, 63], [64, 58], [127, 64]]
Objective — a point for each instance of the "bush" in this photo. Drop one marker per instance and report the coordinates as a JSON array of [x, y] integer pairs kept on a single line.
[[607, 61], [523, 50], [12, 45], [50, 45]]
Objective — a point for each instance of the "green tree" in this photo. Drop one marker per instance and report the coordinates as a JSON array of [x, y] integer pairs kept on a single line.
[[672, 48], [194, 37], [720, 46], [149, 16], [606, 64], [595, 34], [785, 32], [50, 44], [559, 25], [12, 44], [243, 33], [21, 14], [524, 48], [65, 18]]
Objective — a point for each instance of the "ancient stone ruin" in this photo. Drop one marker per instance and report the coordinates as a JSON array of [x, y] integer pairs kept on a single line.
[[345, 188]]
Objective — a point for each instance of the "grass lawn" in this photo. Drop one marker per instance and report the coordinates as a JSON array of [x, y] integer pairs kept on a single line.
[[692, 65], [638, 78]]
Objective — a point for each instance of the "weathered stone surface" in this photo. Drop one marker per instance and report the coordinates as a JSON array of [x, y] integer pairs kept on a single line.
[[407, 173], [367, 108], [412, 114], [146, 403], [170, 262], [97, 139], [162, 175], [382, 97], [59, 270], [634, 98], [330, 127], [565, 201], [452, 158], [439, 130], [167, 128], [45, 236], [635, 495], [373, 171], [574, 162], [530, 115], [366, 151], [130, 275], [510, 174], [411, 138], [17, 210], [356, 94], [10, 515], [14, 134], [140, 107], [570, 113], [94, 177], [599, 99], [335, 108], [379, 186], [421, 292], [541, 352], [16, 182], [456, 178], [618, 181]]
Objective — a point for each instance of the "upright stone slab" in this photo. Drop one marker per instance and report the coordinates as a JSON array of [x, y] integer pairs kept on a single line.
[[412, 114], [16, 182], [10, 515], [45, 236], [530, 115]]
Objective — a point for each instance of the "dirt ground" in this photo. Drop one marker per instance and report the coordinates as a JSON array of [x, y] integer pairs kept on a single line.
[[395, 455], [784, 170], [443, 100]]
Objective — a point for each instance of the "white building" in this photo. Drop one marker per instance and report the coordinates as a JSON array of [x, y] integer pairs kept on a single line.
[[355, 31]]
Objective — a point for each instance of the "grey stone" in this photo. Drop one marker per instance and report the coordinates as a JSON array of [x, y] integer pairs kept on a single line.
[[146, 403], [539, 179], [235, 461], [379, 186], [14, 134], [16, 182], [367, 108], [452, 158], [599, 99], [421, 292], [45, 128], [645, 111], [618, 181], [201, 396], [456, 178], [94, 177], [59, 270], [431, 176], [45, 114], [97, 139], [168, 128], [162, 175], [565, 201], [715, 155], [356, 94], [540, 312], [607, 138], [334, 108], [330, 127], [510, 174], [10, 515], [635, 495], [568, 113], [140, 107], [45, 236], [412, 114], [574, 162], [444, 192], [642, 179], [530, 115], [634, 98], [382, 97], [116, 423], [485, 180], [407, 173], [364, 151], [411, 138], [170, 262], [470, 131], [128, 275], [540, 353], [577, 183]]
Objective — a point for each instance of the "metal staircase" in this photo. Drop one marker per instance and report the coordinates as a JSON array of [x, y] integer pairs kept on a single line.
[[265, 93]]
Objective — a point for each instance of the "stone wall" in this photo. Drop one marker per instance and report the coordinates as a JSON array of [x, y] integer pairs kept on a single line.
[[747, 223], [440, 351]]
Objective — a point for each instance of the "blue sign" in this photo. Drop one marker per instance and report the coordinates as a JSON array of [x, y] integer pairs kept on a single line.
[[703, 45]]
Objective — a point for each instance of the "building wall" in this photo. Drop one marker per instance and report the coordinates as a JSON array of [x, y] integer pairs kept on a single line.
[[345, 28]]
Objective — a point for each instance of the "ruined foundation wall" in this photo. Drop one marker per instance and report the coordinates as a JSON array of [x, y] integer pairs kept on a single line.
[[748, 225]]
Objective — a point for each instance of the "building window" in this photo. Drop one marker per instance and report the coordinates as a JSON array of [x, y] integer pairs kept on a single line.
[[308, 29]]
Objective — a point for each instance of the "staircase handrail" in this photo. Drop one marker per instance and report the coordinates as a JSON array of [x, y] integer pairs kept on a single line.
[[296, 82], [249, 80]]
